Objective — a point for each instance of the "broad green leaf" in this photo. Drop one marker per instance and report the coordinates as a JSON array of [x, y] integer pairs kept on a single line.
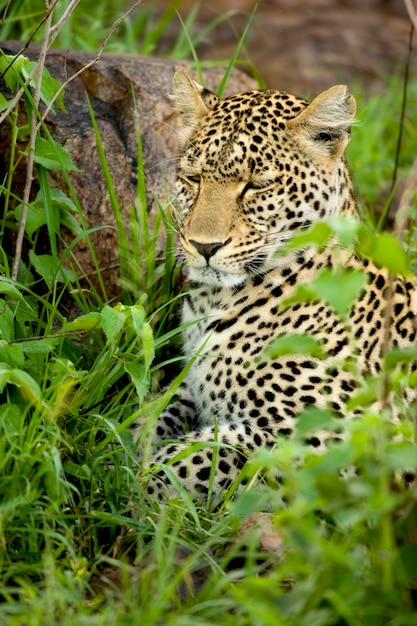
[[11, 353], [339, 288], [84, 322], [10, 418], [384, 249], [5, 375], [113, 321], [313, 419], [49, 86], [27, 385], [21, 69], [345, 228], [61, 200], [296, 343], [139, 377], [7, 327], [250, 502], [52, 156], [21, 379], [400, 355], [403, 457], [68, 220], [318, 234], [35, 217], [138, 317], [362, 398], [46, 266], [36, 214], [9, 289], [11, 76], [50, 269], [26, 311], [4, 103], [301, 293], [40, 345]]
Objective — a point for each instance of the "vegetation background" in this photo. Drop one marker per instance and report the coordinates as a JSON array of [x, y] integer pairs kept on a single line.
[[80, 542]]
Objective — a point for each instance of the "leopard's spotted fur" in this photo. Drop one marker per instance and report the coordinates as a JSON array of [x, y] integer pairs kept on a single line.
[[256, 168]]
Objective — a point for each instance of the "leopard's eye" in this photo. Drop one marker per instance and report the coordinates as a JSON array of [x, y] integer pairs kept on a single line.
[[195, 179], [248, 187], [257, 185]]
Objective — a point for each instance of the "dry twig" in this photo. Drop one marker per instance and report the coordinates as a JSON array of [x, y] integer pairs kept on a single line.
[[31, 150]]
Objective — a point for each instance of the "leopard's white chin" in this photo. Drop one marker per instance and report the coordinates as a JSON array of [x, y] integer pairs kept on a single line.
[[216, 278]]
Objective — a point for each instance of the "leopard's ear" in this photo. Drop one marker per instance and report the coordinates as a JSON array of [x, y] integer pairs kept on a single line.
[[191, 100], [325, 123]]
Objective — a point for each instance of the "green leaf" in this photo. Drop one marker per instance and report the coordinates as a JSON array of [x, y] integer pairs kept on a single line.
[[9, 289], [46, 266], [52, 156], [345, 228], [35, 217], [139, 376], [39, 346], [10, 418], [249, 502], [384, 249], [49, 86], [318, 234], [27, 385], [138, 317], [313, 419], [296, 343], [400, 355], [403, 457], [61, 200], [113, 321], [21, 379], [5, 375], [11, 77], [7, 331], [21, 69], [12, 354], [4, 103], [301, 293], [339, 288], [84, 322]]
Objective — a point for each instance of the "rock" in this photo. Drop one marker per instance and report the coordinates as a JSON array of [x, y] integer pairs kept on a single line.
[[305, 46], [115, 85]]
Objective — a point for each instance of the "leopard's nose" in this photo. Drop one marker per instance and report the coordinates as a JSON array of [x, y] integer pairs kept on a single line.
[[207, 250]]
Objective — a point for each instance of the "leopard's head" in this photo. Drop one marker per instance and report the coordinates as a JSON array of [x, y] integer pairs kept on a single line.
[[255, 168]]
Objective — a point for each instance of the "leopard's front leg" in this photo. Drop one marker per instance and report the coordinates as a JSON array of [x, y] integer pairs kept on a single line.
[[178, 418], [209, 459]]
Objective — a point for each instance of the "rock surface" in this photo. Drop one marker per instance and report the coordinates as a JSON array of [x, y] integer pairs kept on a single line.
[[305, 46], [116, 87]]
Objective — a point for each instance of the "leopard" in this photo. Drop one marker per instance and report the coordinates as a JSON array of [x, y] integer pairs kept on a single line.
[[256, 169]]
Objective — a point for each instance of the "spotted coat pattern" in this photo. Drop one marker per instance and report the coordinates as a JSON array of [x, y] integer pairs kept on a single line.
[[256, 168]]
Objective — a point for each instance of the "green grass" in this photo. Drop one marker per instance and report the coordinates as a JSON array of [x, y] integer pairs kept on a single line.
[[80, 541]]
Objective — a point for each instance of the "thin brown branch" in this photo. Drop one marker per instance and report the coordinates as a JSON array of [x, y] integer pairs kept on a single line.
[[31, 150], [57, 27], [403, 108], [31, 36], [16, 98], [90, 63], [412, 13]]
